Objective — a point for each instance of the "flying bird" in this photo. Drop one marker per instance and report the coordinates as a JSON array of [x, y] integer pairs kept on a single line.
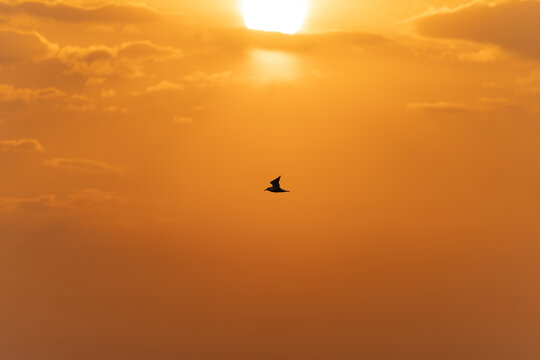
[[275, 188]]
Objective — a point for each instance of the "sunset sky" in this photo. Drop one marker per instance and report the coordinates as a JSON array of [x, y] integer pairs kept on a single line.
[[137, 138]]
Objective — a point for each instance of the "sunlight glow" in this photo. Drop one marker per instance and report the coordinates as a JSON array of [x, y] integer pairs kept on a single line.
[[270, 66], [285, 16]]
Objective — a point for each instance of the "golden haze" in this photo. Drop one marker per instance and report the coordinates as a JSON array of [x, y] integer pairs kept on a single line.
[[136, 140]]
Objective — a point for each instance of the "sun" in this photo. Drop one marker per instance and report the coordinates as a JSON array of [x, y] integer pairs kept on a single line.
[[285, 16]]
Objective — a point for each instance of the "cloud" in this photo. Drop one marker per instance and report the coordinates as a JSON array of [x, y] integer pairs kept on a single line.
[[165, 86], [145, 50], [115, 109], [83, 165], [483, 105], [22, 145], [441, 107], [529, 84], [78, 200], [19, 46], [97, 62], [34, 203], [90, 198], [204, 80], [298, 43], [82, 103], [78, 103], [61, 100], [128, 59], [182, 120], [512, 25], [10, 93], [452, 50], [70, 13]]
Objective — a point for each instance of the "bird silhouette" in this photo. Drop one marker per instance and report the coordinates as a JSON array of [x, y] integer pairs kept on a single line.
[[276, 188]]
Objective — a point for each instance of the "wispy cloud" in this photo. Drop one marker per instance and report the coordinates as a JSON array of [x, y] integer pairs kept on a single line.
[[23, 46], [165, 86], [78, 200], [182, 120], [83, 165], [26, 145], [73, 13], [509, 24], [441, 107], [31, 203], [483, 105], [128, 59], [10, 93], [204, 80]]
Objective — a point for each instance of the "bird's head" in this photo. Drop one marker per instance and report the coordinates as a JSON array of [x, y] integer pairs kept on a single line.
[[268, 189]]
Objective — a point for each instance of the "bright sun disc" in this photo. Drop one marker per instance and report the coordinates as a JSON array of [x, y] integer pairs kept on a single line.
[[285, 16]]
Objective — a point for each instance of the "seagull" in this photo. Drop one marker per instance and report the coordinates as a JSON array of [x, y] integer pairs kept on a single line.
[[275, 188]]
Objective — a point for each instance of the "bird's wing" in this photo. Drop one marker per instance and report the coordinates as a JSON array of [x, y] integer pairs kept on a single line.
[[275, 183]]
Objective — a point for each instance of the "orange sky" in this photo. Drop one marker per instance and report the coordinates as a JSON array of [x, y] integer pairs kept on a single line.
[[136, 142]]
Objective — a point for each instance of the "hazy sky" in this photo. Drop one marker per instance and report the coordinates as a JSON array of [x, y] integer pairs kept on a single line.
[[136, 142]]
